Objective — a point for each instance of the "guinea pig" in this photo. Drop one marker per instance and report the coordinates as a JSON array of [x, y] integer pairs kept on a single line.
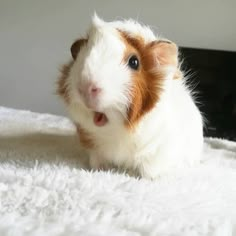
[[126, 93]]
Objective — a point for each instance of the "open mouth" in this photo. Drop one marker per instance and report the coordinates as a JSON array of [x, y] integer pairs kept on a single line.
[[99, 119]]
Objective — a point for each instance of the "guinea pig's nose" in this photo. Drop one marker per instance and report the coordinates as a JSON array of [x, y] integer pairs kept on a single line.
[[89, 90], [93, 90]]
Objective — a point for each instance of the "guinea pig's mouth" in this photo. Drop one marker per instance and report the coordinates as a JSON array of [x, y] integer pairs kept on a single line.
[[100, 119]]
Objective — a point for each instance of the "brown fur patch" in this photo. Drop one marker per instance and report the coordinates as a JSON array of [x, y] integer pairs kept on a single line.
[[148, 79], [62, 87], [85, 138]]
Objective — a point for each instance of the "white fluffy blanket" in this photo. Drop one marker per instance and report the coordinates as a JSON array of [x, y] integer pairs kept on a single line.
[[45, 188]]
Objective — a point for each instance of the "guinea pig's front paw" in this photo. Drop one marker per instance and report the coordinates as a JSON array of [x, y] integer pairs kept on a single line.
[[148, 171], [97, 163], [148, 175]]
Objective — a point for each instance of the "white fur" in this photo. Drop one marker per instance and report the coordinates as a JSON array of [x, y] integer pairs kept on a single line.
[[165, 136]]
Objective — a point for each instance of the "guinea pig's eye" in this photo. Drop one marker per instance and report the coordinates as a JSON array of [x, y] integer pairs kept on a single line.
[[133, 62]]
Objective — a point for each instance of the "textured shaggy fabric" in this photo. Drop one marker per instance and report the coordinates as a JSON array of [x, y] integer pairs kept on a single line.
[[45, 188]]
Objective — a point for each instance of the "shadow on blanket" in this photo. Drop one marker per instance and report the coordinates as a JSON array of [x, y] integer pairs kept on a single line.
[[25, 150], [43, 148]]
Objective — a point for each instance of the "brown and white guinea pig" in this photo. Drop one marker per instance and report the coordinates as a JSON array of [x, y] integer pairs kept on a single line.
[[128, 98]]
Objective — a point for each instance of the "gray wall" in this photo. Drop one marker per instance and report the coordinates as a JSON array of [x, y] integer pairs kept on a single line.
[[35, 37]]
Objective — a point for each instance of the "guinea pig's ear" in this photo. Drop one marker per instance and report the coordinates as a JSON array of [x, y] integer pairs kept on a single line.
[[75, 48], [165, 52]]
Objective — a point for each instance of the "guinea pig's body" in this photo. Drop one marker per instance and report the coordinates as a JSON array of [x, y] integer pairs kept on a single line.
[[128, 98]]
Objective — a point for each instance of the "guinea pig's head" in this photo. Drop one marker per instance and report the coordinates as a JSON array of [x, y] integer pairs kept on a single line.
[[117, 73]]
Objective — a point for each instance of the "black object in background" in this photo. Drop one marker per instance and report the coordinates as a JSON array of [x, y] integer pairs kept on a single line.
[[214, 73]]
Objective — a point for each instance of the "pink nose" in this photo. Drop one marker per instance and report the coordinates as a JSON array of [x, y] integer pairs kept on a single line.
[[90, 93], [93, 90], [89, 90]]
